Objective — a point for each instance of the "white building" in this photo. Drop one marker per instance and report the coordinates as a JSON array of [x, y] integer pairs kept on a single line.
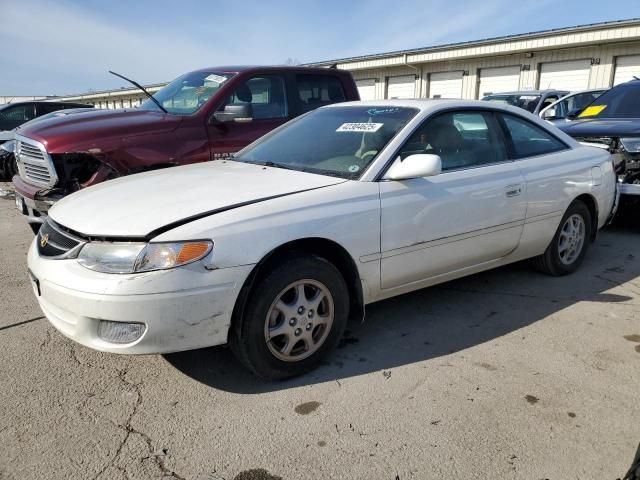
[[574, 58]]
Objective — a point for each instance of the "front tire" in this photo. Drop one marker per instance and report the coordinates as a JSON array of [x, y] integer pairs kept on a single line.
[[570, 243], [295, 314]]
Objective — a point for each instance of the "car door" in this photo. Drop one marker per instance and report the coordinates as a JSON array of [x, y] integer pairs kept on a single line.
[[266, 96], [471, 213], [547, 164]]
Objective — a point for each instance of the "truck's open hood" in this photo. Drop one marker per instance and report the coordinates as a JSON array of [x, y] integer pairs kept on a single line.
[[137, 205], [601, 127], [80, 132]]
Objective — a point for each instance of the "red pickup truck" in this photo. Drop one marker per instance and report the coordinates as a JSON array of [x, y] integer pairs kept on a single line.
[[203, 115]]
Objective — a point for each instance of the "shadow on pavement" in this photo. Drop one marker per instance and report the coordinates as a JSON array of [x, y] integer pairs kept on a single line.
[[448, 318]]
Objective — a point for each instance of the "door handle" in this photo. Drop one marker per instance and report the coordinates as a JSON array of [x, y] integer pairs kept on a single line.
[[513, 190]]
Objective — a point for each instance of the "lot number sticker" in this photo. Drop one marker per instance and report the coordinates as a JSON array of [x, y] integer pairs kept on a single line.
[[216, 78], [359, 127]]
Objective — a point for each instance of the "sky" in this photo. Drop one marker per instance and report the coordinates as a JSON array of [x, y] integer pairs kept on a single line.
[[59, 47]]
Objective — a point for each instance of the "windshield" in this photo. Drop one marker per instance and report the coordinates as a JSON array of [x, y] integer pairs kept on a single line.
[[186, 94], [528, 102], [336, 141], [619, 102]]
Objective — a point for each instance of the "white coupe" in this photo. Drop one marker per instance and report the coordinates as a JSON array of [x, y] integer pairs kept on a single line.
[[274, 250]]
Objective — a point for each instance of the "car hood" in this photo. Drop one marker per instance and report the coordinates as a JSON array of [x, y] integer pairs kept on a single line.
[[146, 204], [601, 127], [85, 131]]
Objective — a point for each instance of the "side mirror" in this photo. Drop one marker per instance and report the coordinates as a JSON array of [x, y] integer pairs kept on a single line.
[[235, 113], [549, 113], [415, 166], [573, 113]]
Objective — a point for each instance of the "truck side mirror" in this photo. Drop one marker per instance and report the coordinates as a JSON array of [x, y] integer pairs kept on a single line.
[[235, 112]]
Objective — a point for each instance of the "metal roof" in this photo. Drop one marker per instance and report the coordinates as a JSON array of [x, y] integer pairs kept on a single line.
[[519, 36]]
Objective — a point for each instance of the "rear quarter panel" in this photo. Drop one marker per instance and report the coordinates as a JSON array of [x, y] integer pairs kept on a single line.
[[553, 182]]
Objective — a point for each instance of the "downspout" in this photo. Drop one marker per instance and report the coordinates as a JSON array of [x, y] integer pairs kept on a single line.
[[419, 74]]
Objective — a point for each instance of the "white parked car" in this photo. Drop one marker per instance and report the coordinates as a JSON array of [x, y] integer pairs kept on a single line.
[[566, 109], [344, 206]]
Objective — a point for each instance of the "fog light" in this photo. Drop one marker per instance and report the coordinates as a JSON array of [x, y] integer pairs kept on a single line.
[[120, 332]]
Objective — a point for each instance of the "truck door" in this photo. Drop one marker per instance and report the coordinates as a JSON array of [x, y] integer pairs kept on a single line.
[[265, 95]]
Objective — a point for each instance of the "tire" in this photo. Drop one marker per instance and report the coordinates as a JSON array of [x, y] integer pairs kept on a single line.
[[275, 309], [558, 259], [11, 168], [35, 227]]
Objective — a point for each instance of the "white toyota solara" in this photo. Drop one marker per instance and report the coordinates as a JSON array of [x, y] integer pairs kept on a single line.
[[274, 250]]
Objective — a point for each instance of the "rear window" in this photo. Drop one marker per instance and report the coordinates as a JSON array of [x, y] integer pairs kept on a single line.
[[317, 90]]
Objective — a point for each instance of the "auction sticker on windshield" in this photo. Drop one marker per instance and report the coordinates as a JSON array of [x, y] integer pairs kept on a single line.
[[216, 78], [592, 110], [359, 127]]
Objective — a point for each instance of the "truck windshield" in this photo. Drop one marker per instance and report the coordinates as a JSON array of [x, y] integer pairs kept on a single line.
[[186, 94], [335, 141]]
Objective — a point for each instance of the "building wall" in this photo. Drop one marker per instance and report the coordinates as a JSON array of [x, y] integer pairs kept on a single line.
[[600, 76], [15, 99]]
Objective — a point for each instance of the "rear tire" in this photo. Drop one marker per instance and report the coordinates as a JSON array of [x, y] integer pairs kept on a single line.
[[566, 251], [295, 315]]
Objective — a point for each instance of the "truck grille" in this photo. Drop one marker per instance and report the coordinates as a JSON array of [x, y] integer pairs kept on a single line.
[[34, 163], [55, 242]]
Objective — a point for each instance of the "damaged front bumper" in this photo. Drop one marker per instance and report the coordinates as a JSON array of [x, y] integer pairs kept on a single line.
[[163, 311], [31, 202]]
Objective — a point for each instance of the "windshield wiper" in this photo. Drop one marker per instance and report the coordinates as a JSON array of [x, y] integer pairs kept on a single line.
[[154, 100], [277, 165]]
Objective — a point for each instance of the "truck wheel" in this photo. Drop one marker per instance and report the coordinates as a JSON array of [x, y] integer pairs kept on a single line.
[[295, 315], [570, 243]]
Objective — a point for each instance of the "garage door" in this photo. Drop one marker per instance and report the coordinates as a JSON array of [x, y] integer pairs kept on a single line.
[[445, 84], [500, 79], [626, 68], [401, 87], [366, 89], [572, 76]]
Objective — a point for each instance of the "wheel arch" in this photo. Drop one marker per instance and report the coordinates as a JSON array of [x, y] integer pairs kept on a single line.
[[322, 247], [592, 204]]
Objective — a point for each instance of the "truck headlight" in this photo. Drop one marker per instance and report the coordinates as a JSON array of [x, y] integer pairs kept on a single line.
[[631, 145], [141, 257]]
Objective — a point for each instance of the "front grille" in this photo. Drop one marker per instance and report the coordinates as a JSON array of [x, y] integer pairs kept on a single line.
[[34, 163], [55, 242]]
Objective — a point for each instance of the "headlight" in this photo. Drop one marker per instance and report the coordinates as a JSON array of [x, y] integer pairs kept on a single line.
[[141, 257], [8, 146], [631, 145]]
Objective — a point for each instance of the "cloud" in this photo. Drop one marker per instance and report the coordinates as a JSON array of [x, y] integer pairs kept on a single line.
[[60, 47]]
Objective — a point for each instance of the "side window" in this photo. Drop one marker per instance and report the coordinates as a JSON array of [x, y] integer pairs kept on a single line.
[[548, 101], [581, 100], [266, 94], [530, 140], [317, 90], [45, 107], [18, 114], [461, 139], [561, 108]]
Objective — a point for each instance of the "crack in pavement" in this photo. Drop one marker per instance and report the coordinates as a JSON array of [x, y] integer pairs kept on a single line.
[[129, 430]]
